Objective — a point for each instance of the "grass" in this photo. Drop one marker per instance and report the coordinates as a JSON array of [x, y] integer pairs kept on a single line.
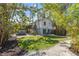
[[32, 43]]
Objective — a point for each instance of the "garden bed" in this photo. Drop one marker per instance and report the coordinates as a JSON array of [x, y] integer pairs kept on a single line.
[[28, 43], [33, 43]]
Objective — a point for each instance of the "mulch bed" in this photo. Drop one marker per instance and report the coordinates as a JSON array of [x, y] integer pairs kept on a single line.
[[11, 49]]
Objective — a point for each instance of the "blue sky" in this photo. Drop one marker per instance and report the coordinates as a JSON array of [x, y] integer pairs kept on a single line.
[[29, 5]]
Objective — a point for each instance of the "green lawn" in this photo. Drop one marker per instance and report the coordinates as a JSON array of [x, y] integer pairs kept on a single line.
[[32, 43]]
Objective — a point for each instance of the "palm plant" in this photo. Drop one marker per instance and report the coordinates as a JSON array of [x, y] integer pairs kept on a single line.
[[7, 13]]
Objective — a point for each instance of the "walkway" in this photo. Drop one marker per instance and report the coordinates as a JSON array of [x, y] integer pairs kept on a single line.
[[60, 49]]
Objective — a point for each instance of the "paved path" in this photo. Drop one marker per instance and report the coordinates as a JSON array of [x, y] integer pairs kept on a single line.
[[60, 49]]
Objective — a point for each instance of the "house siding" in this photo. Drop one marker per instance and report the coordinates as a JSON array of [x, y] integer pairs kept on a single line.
[[40, 26]]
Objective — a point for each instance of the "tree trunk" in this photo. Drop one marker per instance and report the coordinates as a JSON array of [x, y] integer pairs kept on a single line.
[[74, 41], [1, 39]]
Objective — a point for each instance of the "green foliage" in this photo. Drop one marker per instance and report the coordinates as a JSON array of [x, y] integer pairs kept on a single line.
[[8, 24], [57, 13], [37, 42], [67, 18]]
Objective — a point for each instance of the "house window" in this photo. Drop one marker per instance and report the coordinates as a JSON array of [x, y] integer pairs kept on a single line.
[[48, 31], [44, 23], [44, 31]]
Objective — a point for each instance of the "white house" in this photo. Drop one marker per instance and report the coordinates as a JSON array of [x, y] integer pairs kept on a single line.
[[44, 24]]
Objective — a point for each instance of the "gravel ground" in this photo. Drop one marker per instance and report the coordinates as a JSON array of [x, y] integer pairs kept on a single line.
[[60, 49]]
